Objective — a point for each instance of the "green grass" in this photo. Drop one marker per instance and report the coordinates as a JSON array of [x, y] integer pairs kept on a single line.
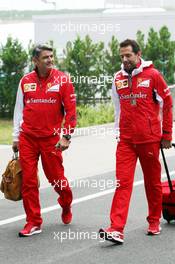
[[5, 131], [100, 114], [87, 116]]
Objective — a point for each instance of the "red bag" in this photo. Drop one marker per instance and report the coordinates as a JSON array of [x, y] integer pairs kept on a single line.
[[168, 190], [168, 203]]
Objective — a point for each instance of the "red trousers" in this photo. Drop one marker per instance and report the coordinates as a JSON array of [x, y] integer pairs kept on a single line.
[[30, 149], [126, 158]]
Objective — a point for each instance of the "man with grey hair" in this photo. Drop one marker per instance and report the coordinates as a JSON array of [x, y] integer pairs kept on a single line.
[[45, 98]]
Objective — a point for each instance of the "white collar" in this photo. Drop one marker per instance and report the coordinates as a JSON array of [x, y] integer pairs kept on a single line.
[[138, 70]]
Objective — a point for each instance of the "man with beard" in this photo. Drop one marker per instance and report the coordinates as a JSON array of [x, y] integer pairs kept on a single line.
[[139, 93]]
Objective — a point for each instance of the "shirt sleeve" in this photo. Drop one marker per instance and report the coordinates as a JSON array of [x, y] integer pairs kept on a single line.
[[69, 102], [18, 114], [116, 102], [164, 93]]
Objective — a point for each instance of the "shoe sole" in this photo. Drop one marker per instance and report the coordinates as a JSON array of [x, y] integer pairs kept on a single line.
[[67, 223], [31, 234], [103, 235], [149, 233]]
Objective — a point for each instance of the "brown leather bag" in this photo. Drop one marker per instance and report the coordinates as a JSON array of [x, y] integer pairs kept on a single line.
[[12, 180]]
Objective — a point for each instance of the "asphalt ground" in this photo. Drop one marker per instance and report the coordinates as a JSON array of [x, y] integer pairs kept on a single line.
[[79, 242]]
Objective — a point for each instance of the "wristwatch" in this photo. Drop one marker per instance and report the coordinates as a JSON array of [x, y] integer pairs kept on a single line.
[[67, 136]]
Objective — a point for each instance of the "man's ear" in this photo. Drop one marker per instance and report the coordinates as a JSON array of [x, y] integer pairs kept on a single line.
[[139, 53], [34, 60]]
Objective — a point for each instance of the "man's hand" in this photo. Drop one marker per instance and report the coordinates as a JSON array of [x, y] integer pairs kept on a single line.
[[63, 144], [166, 144], [15, 146]]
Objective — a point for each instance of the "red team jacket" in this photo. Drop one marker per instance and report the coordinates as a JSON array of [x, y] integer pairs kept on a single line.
[[138, 100], [41, 105]]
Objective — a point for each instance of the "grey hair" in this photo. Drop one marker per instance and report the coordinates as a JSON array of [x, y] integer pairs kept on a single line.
[[39, 48]]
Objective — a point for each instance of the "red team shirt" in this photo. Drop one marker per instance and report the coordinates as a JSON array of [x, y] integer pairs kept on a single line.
[[138, 100], [42, 104]]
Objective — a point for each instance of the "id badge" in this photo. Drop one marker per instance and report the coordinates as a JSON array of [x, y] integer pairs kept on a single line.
[[133, 101]]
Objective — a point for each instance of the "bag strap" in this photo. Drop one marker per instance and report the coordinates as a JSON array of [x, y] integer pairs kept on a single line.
[[166, 169], [15, 155]]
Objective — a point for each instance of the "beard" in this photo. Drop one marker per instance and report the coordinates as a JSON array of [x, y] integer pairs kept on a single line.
[[129, 69]]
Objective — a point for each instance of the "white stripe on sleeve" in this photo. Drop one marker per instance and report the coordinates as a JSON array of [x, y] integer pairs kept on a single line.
[[116, 102], [18, 113]]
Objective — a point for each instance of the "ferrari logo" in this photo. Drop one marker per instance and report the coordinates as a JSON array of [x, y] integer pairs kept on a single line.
[[49, 85], [29, 87], [121, 84]]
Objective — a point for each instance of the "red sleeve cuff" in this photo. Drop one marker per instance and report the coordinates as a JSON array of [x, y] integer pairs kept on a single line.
[[167, 135]]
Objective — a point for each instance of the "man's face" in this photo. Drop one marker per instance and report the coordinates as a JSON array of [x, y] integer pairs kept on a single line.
[[129, 58], [45, 61]]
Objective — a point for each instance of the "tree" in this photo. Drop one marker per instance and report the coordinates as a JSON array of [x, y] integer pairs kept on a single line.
[[83, 61], [141, 41], [167, 55], [13, 62], [30, 48], [112, 61], [161, 50], [152, 48]]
